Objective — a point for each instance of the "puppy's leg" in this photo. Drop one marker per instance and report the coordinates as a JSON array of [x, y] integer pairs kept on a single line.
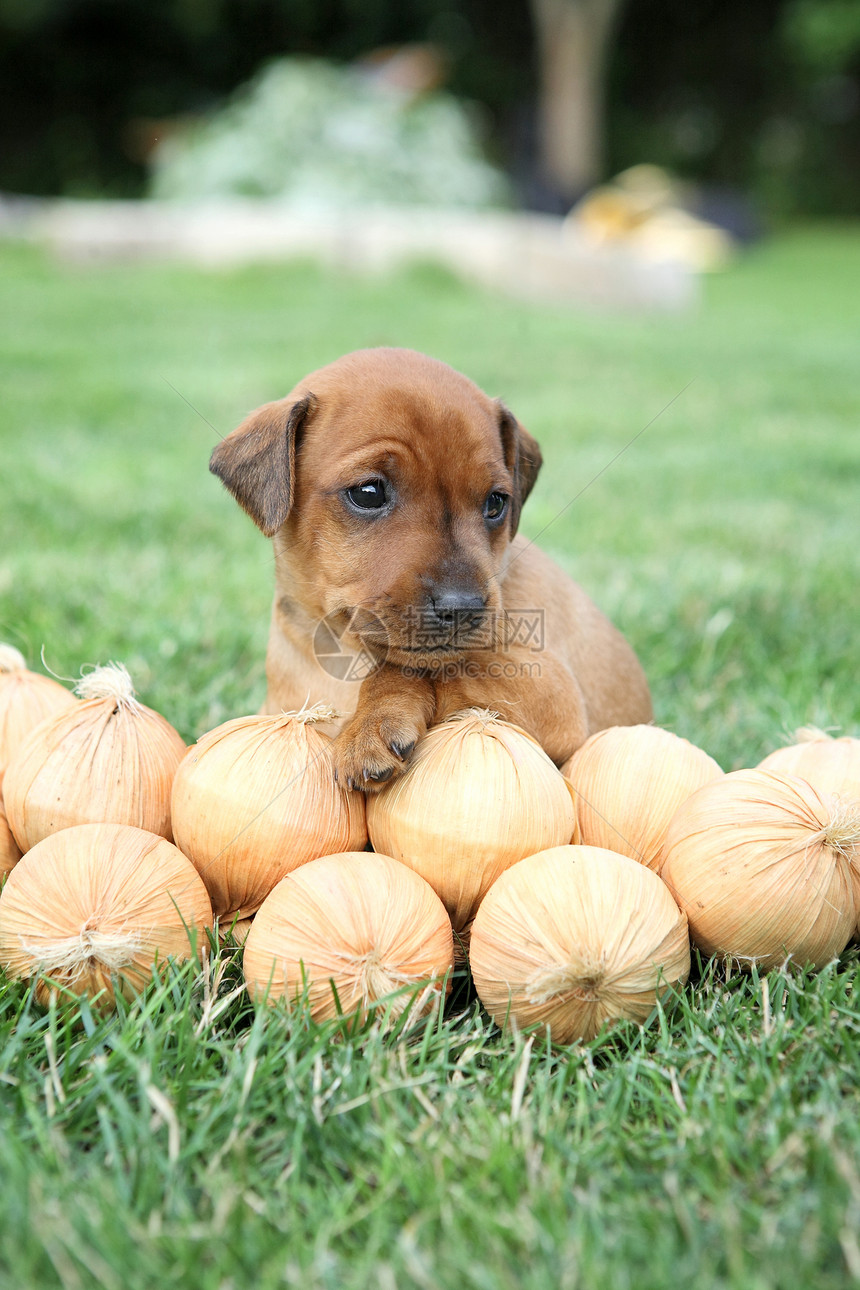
[[543, 697], [393, 712]]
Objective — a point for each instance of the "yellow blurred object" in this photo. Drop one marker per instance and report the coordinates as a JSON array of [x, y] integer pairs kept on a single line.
[[643, 209]]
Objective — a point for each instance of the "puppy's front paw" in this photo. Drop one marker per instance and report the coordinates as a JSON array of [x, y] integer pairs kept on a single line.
[[372, 751]]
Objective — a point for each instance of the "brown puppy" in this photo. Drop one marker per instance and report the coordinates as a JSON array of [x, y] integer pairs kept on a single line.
[[392, 487]]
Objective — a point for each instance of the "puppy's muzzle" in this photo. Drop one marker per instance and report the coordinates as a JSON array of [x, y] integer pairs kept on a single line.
[[449, 619], [456, 610]]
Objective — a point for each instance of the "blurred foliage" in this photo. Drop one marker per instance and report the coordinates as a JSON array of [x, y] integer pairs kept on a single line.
[[88, 81], [322, 137], [823, 34], [761, 97]]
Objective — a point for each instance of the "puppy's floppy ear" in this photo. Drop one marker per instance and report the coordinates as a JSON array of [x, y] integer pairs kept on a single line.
[[522, 458], [257, 461]]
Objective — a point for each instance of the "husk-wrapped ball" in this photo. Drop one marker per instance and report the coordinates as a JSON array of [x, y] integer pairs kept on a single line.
[[629, 781], [254, 799], [576, 937], [479, 795], [828, 764], [10, 852], [351, 929], [764, 867], [98, 907], [109, 758], [26, 699]]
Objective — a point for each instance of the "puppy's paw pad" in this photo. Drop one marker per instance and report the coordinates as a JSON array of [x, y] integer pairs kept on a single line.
[[367, 755], [363, 762]]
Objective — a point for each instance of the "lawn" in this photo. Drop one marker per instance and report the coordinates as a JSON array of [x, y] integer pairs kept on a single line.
[[702, 483]]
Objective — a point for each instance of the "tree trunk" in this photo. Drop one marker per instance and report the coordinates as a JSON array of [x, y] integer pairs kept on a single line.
[[573, 42]]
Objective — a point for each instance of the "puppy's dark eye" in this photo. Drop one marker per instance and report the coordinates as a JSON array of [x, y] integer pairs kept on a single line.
[[495, 506], [370, 496]]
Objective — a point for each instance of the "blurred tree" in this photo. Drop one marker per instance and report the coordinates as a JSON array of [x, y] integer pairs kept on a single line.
[[573, 42], [824, 35], [762, 96], [813, 136]]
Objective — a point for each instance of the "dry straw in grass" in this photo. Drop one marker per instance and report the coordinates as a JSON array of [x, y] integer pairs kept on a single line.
[[766, 869], [98, 907], [108, 758], [351, 929]]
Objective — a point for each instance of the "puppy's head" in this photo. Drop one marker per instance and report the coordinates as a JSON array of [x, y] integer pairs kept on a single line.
[[392, 486]]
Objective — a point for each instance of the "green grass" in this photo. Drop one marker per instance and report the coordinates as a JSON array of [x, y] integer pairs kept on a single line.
[[188, 1143]]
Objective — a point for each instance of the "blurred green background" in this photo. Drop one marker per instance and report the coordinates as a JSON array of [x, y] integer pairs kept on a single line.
[[761, 99]]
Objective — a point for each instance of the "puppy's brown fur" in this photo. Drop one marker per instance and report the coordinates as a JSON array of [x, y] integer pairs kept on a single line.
[[439, 591]]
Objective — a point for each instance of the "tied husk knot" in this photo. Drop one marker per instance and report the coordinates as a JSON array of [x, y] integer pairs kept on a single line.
[[11, 659], [484, 716], [810, 735], [316, 714], [73, 958], [109, 681], [374, 979], [572, 980], [842, 831]]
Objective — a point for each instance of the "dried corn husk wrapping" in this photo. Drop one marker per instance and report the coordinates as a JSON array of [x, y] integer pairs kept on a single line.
[[26, 699], [764, 868], [479, 795], [256, 798], [575, 937], [107, 759], [830, 765], [10, 852], [629, 781], [98, 907], [360, 922]]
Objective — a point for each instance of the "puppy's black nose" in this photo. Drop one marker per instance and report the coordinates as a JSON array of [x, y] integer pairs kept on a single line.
[[453, 606]]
